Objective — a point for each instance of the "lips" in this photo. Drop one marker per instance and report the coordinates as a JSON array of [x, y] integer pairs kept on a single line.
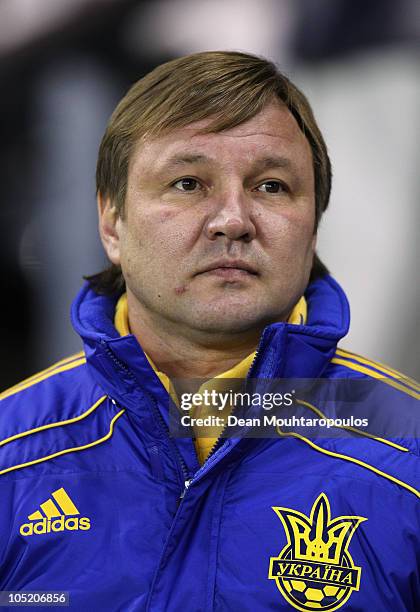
[[229, 266]]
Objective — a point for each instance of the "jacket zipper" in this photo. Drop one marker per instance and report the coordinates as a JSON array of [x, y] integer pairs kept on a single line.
[[186, 485], [220, 438], [219, 449]]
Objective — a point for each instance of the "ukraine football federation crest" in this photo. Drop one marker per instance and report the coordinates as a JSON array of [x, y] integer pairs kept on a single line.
[[315, 570]]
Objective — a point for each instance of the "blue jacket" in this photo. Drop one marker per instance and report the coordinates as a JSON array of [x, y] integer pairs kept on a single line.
[[98, 500]]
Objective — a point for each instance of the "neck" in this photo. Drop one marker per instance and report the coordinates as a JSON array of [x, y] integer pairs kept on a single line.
[[182, 355]]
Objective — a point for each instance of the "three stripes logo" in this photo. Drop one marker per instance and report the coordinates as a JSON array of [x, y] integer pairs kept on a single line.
[[58, 513]]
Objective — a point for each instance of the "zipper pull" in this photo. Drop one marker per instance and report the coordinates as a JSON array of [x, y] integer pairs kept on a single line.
[[186, 485]]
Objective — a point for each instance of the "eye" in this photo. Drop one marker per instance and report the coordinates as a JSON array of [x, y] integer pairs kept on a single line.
[[271, 187], [186, 184]]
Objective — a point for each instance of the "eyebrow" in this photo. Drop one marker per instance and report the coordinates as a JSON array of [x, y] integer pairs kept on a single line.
[[259, 165], [182, 160], [266, 163]]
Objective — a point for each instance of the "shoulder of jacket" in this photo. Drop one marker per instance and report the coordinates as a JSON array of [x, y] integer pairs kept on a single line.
[[390, 405], [54, 395], [53, 375], [61, 410], [346, 364]]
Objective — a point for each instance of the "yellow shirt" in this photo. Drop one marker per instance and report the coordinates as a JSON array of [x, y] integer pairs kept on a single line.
[[204, 445]]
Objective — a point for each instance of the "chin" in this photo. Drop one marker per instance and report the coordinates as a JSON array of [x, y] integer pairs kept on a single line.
[[234, 320], [225, 326]]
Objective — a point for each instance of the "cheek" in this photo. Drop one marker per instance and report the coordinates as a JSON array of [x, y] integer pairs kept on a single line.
[[291, 234], [174, 232], [161, 238]]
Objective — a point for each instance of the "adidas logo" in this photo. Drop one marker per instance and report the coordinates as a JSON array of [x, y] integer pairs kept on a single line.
[[53, 516]]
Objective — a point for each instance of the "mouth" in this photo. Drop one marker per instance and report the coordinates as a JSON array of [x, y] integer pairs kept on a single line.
[[233, 269]]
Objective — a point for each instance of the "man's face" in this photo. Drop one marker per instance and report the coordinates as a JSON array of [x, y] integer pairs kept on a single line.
[[218, 229]]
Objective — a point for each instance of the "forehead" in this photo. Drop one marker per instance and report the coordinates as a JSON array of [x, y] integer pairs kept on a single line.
[[272, 132]]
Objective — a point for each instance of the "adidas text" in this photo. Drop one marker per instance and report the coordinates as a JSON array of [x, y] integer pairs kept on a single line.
[[60, 524]]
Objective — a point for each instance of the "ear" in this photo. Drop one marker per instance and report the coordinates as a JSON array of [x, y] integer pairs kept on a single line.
[[109, 228]]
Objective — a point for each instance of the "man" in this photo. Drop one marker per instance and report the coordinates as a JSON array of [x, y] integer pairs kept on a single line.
[[212, 177]]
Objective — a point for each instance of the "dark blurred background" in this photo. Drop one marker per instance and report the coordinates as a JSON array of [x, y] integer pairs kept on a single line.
[[64, 64]]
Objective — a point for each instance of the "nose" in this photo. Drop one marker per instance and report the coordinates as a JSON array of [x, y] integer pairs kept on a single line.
[[231, 218]]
